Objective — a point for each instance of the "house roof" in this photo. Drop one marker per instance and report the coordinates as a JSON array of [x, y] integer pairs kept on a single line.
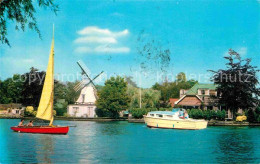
[[194, 89], [173, 100]]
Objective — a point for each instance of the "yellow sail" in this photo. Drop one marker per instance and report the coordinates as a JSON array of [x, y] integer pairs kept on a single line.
[[45, 109]]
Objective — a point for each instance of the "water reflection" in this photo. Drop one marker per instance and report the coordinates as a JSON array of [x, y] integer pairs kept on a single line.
[[3, 140], [235, 145], [111, 128], [44, 148]]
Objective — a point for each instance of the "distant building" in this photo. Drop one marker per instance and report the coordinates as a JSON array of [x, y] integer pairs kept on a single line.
[[12, 109], [85, 105], [201, 96]]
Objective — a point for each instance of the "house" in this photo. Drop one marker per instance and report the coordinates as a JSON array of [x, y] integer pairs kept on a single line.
[[85, 104], [201, 96], [12, 109]]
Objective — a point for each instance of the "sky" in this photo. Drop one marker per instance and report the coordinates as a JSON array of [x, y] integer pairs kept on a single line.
[[104, 35]]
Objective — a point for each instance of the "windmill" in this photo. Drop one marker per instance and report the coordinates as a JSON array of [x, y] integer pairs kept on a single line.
[[85, 104], [86, 81]]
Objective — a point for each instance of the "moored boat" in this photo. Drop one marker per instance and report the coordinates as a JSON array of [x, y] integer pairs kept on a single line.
[[171, 120], [45, 109]]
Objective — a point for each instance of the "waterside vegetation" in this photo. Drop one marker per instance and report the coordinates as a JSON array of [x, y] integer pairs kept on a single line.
[[123, 94]]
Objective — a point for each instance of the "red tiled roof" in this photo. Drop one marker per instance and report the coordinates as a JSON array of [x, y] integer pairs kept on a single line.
[[172, 101], [190, 101]]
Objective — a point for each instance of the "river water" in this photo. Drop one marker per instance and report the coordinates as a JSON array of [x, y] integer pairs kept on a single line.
[[123, 142]]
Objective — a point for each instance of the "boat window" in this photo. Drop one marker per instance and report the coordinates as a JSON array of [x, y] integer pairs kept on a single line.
[[159, 115], [151, 114], [169, 115]]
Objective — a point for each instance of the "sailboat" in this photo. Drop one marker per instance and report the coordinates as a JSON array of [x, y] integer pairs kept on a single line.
[[45, 109]]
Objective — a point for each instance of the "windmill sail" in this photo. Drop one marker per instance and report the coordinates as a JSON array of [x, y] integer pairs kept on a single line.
[[45, 109]]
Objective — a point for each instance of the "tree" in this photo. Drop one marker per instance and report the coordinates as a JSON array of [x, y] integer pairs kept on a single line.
[[60, 107], [113, 97], [10, 90], [150, 97], [181, 77], [59, 91], [32, 87], [22, 13], [71, 94], [237, 84], [172, 89]]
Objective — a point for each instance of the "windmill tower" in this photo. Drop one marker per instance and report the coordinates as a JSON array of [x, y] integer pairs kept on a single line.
[[85, 105]]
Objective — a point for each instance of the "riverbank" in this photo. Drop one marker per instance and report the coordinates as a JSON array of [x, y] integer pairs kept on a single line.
[[100, 119], [133, 120], [231, 123]]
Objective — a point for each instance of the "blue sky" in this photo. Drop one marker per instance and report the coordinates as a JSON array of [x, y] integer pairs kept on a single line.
[[103, 34]]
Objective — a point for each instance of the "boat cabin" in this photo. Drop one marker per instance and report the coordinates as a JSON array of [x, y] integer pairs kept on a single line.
[[165, 114]]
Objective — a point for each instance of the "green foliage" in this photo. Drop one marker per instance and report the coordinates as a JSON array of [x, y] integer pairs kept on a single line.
[[253, 115], [10, 90], [150, 97], [22, 13], [27, 88], [113, 97], [71, 94], [61, 107], [102, 112], [172, 89], [237, 84], [139, 112], [181, 77], [32, 87], [207, 114]]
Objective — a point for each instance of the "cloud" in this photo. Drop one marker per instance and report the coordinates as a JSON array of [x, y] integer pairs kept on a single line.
[[103, 49], [93, 30], [93, 39], [106, 49]]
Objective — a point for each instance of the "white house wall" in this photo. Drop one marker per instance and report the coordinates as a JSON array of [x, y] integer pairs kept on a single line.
[[82, 110]]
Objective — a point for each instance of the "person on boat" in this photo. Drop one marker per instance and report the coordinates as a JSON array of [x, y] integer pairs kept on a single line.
[[21, 123], [30, 123], [181, 114], [186, 115]]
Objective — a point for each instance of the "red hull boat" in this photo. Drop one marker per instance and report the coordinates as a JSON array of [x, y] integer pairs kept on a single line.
[[42, 129]]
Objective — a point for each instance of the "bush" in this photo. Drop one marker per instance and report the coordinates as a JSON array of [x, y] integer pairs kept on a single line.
[[220, 115], [193, 113], [54, 113], [61, 111], [29, 111], [206, 114], [102, 113], [66, 115]]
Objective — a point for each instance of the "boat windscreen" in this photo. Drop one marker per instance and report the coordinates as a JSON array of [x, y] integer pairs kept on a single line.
[[175, 110]]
